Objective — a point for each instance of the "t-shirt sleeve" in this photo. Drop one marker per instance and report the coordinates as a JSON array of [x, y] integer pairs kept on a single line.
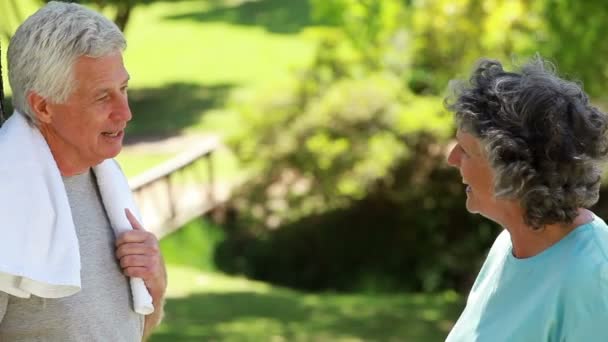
[[587, 317], [3, 304]]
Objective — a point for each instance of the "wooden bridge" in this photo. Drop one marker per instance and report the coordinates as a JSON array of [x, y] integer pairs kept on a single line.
[[179, 190]]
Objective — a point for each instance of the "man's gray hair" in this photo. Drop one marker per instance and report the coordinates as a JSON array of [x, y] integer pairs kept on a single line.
[[42, 53]]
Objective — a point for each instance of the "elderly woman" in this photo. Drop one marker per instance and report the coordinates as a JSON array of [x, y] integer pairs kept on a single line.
[[529, 149]]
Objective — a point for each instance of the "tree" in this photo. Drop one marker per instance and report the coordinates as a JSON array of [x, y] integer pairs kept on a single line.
[[1, 91], [12, 16], [575, 39], [123, 9]]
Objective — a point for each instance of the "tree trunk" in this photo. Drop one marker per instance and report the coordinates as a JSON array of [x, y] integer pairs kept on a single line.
[[123, 12], [1, 91]]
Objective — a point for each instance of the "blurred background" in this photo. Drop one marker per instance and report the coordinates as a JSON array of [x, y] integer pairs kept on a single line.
[[291, 154]]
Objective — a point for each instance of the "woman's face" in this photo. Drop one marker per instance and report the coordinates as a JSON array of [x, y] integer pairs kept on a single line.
[[470, 159]]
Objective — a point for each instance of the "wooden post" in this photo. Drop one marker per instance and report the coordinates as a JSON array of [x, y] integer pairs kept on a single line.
[[211, 186], [172, 211]]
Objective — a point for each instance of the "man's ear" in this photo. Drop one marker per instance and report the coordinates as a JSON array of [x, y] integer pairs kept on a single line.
[[40, 107]]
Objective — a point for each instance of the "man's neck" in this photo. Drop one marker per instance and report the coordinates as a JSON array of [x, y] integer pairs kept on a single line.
[[68, 164]]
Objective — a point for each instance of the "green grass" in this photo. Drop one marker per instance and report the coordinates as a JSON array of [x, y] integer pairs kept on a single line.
[[186, 58], [225, 166], [193, 245], [135, 163], [205, 305]]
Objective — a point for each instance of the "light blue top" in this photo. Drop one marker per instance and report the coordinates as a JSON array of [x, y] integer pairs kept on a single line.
[[560, 294]]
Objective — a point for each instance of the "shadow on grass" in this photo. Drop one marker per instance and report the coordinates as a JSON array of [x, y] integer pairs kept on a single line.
[[167, 111], [278, 16], [295, 316]]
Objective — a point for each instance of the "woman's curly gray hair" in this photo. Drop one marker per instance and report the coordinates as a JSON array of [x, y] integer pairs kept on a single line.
[[543, 139]]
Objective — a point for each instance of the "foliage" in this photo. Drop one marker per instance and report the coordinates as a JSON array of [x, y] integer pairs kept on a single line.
[[575, 39], [411, 236], [351, 153], [13, 13], [328, 140], [340, 160], [373, 28], [449, 36], [2, 108], [122, 8]]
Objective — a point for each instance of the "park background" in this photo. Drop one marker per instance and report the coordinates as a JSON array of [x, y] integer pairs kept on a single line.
[[344, 222]]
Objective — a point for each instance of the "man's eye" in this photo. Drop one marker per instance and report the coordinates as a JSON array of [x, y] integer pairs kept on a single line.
[[102, 98]]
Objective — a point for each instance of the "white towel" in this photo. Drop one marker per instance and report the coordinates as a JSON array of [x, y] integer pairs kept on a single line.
[[39, 251]]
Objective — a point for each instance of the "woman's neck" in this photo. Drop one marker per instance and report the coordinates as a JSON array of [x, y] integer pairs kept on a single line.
[[528, 242]]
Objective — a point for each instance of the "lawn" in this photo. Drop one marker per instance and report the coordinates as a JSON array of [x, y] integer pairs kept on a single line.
[[187, 58], [206, 305]]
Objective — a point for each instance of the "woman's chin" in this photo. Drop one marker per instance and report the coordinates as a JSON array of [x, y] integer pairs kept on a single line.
[[471, 207]]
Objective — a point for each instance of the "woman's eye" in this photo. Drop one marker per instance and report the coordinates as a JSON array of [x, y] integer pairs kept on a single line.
[[462, 150]]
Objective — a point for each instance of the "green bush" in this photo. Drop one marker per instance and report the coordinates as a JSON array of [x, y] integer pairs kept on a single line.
[[349, 188], [411, 233]]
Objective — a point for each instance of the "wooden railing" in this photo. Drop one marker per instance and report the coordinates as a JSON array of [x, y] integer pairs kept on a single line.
[[166, 200]]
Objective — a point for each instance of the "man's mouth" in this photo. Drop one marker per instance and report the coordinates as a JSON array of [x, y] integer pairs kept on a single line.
[[112, 134]]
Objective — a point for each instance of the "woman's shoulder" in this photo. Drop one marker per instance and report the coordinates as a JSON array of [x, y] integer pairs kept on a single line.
[[584, 297], [598, 241], [588, 267]]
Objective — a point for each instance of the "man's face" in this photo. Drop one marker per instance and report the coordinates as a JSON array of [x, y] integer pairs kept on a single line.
[[89, 127]]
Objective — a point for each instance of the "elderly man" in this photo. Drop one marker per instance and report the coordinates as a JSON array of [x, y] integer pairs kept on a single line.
[[75, 263]]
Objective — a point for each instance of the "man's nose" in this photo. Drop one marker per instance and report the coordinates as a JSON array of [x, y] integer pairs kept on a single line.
[[121, 109]]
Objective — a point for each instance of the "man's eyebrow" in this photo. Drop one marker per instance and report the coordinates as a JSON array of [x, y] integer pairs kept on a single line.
[[99, 91]]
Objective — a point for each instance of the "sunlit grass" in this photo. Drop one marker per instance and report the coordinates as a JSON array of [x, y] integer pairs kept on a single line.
[[168, 43], [225, 166], [193, 246], [204, 305], [133, 164]]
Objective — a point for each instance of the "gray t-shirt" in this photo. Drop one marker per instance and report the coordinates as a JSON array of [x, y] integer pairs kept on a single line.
[[102, 310]]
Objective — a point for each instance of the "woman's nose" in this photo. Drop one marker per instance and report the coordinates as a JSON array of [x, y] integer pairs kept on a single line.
[[454, 157]]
